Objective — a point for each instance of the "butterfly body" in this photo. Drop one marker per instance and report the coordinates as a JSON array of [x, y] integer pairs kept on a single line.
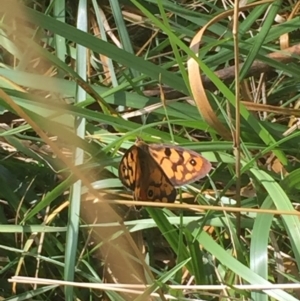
[[152, 171]]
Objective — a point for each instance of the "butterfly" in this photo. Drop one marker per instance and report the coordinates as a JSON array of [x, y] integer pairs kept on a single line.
[[152, 171]]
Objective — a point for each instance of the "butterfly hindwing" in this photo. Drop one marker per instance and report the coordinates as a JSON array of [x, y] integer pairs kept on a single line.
[[140, 173], [129, 170]]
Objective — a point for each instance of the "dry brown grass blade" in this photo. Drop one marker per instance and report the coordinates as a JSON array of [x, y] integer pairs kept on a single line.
[[199, 94], [195, 79], [258, 107], [284, 39]]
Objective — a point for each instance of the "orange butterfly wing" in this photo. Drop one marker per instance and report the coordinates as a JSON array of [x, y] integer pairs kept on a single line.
[[181, 166], [140, 173]]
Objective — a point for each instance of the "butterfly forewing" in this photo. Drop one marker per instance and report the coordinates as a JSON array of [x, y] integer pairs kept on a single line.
[[181, 166]]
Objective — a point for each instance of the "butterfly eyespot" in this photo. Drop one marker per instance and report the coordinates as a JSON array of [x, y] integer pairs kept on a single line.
[[193, 162], [150, 193]]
